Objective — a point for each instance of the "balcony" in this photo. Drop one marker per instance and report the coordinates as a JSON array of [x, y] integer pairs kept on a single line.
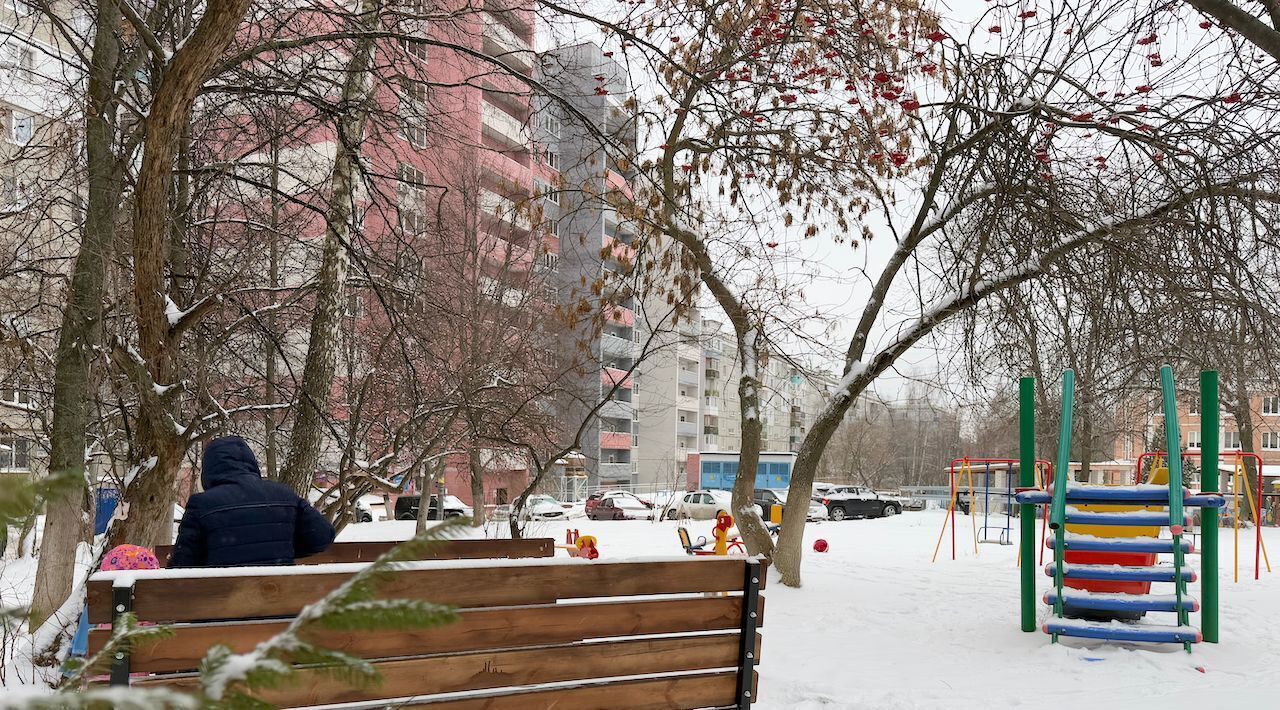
[[504, 209], [622, 316], [616, 409], [688, 377], [615, 181], [618, 251], [711, 430], [710, 407], [687, 403], [503, 127], [503, 44], [615, 472], [615, 440], [687, 429], [712, 374], [611, 376], [618, 347], [710, 442], [508, 256]]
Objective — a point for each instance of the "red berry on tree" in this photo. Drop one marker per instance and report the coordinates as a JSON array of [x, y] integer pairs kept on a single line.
[[1206, 25], [910, 105], [995, 29], [936, 36], [1234, 98], [1149, 39]]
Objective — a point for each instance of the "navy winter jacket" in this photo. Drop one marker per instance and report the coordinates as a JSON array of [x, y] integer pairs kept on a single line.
[[241, 519]]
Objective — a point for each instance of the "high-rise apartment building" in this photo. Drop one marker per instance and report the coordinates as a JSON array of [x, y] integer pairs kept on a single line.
[[595, 242]]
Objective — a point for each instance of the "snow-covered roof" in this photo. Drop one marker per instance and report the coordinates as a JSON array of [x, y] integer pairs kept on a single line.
[[1268, 469]]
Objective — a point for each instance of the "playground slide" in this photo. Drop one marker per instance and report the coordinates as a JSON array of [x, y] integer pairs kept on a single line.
[[1128, 559]]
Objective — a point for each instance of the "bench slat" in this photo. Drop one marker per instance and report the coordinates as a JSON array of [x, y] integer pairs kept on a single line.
[[485, 670], [163, 599], [445, 550], [476, 629], [666, 693]]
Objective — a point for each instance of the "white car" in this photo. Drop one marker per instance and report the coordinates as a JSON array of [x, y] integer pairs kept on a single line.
[[703, 505], [543, 507]]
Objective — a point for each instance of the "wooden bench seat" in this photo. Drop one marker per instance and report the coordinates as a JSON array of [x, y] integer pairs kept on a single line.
[[444, 550], [530, 634]]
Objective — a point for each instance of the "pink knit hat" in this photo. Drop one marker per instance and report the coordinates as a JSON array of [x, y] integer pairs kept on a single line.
[[129, 557]]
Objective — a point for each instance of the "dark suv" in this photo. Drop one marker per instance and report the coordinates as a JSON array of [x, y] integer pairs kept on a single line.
[[408, 507]]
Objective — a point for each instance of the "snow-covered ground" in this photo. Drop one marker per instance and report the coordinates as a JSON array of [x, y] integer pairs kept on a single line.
[[878, 627]]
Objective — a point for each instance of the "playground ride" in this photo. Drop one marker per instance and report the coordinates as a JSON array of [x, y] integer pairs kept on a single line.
[[820, 546], [723, 541], [1008, 467], [585, 546], [1106, 538]]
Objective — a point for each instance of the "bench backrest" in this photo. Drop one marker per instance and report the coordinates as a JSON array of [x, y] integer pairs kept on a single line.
[[444, 550], [689, 626]]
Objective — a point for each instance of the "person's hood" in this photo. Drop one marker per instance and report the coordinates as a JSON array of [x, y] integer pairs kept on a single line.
[[225, 460]]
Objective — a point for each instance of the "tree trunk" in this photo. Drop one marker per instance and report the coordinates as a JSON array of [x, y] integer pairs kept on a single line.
[[790, 548], [750, 526], [340, 223], [65, 524], [149, 493], [477, 484]]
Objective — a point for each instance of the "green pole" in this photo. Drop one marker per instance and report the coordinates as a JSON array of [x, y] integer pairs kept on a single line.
[[1209, 516], [1058, 509], [1027, 512], [1173, 445]]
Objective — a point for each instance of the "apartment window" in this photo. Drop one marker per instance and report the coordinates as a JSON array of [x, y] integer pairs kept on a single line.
[[26, 64], [1231, 440], [1193, 439], [20, 8], [15, 453], [13, 192], [411, 221], [549, 122], [1271, 440], [1271, 404], [412, 185], [16, 393], [413, 102], [414, 48], [551, 262], [546, 192], [551, 293], [1193, 409], [551, 157], [355, 305], [21, 128]]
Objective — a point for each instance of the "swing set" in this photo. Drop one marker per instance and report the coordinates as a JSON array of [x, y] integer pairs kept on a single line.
[[1239, 481], [962, 469]]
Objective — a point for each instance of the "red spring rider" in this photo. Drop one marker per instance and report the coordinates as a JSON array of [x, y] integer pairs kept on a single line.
[[586, 545], [724, 522]]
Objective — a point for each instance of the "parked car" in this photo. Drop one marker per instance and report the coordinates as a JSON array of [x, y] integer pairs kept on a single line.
[[703, 505], [766, 497], [321, 498], [543, 507], [407, 508], [627, 500], [859, 502], [621, 508]]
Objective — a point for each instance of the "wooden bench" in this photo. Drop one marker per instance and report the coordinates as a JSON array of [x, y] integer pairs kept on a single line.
[[443, 550], [567, 634]]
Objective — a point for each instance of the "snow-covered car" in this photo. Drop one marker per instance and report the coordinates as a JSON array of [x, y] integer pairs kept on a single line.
[[407, 508], [543, 507], [625, 500], [703, 505], [621, 508], [859, 502]]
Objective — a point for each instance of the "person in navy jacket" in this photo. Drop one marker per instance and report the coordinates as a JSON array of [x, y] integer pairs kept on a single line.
[[240, 519]]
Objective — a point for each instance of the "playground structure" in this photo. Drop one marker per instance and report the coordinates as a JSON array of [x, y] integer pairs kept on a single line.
[[1106, 539], [1004, 498]]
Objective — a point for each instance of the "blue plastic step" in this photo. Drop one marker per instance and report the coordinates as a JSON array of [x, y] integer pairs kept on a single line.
[[1120, 573], [1129, 495], [1116, 631], [1129, 519], [1089, 543], [1098, 601]]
